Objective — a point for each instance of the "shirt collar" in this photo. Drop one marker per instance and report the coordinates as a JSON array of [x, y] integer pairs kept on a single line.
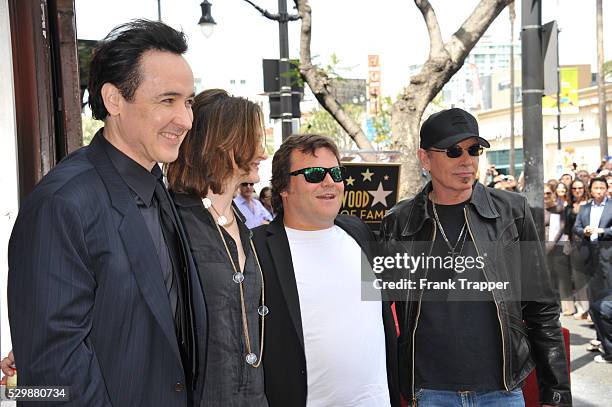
[[141, 181], [603, 203], [240, 199]]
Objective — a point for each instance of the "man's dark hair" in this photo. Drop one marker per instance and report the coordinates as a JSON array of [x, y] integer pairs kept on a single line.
[[116, 59], [281, 163], [597, 179]]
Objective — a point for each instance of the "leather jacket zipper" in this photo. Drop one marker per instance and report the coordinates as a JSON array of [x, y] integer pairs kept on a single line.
[[494, 300], [416, 321]]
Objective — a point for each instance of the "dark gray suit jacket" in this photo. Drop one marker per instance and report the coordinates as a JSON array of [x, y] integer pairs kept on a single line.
[[87, 303], [583, 220], [596, 256]]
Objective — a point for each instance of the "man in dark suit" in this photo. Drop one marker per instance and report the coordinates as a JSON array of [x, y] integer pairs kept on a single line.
[[103, 295], [324, 346], [594, 226]]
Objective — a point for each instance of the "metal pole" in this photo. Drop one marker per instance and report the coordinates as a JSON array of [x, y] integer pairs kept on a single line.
[[158, 10], [558, 99], [512, 151], [601, 90], [533, 89], [283, 71]]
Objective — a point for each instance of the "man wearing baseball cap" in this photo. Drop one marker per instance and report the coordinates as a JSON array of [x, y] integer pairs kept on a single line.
[[473, 327]]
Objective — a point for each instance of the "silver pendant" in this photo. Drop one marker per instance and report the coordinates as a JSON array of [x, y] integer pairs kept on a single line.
[[251, 358], [238, 277], [206, 202], [222, 220], [263, 310]]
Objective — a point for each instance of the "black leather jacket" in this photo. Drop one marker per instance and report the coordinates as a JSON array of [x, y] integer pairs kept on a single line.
[[499, 223]]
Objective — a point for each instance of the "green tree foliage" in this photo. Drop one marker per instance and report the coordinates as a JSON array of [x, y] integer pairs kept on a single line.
[[90, 127], [608, 69], [319, 121], [382, 123]]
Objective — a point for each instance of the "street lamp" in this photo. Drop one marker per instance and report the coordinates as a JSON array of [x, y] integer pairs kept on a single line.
[[206, 23]]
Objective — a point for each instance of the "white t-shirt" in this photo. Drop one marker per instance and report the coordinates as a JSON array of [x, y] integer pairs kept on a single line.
[[344, 338]]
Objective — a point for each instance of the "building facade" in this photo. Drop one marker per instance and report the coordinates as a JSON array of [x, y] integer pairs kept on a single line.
[[579, 135]]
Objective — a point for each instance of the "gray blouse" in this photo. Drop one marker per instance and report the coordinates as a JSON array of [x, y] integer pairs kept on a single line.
[[229, 380]]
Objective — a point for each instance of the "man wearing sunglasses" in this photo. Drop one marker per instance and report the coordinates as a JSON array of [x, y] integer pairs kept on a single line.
[[323, 345], [477, 347], [254, 212]]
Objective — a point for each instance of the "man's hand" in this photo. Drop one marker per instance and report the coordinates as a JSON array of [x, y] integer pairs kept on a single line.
[[8, 365], [588, 231]]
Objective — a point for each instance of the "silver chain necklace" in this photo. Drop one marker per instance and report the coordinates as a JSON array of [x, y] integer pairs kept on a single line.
[[453, 252]]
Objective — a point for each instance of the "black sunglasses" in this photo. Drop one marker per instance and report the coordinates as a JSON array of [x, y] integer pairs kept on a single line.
[[314, 175], [247, 184], [457, 151]]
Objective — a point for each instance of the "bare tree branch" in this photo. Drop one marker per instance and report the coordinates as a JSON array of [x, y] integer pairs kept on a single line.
[[436, 45], [321, 85], [273, 16], [439, 67], [464, 39]]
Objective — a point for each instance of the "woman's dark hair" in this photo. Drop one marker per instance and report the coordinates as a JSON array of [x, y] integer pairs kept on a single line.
[[566, 195], [227, 132], [116, 59], [585, 193], [281, 163], [262, 193], [552, 183]]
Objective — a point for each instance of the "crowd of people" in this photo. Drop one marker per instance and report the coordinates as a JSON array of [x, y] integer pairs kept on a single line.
[[578, 218], [576, 244], [192, 292]]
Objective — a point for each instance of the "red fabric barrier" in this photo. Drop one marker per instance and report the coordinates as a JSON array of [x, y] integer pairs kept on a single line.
[[531, 391]]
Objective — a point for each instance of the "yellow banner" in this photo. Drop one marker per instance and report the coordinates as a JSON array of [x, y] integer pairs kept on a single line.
[[568, 94]]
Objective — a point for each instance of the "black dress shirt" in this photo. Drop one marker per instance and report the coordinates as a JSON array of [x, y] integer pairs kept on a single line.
[[142, 186]]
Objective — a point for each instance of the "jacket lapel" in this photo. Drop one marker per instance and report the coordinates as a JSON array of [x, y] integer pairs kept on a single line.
[[606, 215], [137, 242], [280, 251], [586, 215]]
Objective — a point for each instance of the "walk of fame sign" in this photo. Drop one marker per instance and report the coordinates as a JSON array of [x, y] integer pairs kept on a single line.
[[370, 190]]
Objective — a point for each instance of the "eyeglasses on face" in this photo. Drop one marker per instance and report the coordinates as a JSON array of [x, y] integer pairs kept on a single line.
[[314, 175], [247, 184], [457, 151], [547, 193]]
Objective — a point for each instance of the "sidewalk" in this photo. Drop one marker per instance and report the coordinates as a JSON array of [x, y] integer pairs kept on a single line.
[[591, 382]]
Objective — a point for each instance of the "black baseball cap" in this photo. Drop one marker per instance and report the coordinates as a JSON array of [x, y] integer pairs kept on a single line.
[[449, 127]]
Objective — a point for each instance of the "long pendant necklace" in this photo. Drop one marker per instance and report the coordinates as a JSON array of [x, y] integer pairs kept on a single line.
[[453, 248], [221, 219], [238, 277]]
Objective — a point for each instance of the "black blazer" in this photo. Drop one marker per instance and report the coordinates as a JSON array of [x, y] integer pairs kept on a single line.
[[284, 359], [86, 298]]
